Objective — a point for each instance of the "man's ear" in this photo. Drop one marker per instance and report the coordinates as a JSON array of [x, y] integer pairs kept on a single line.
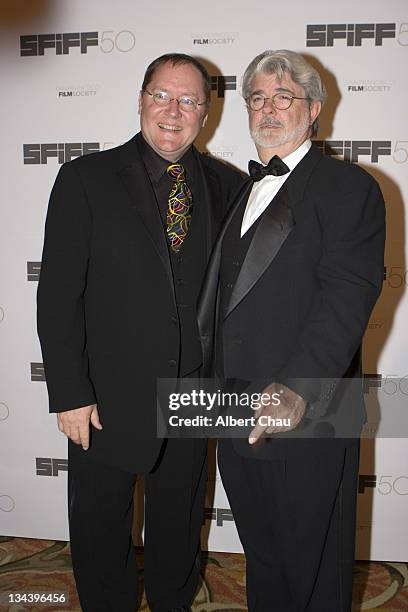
[[140, 102], [315, 108], [204, 121]]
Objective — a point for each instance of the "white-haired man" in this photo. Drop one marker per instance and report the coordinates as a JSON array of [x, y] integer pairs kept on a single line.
[[297, 269]]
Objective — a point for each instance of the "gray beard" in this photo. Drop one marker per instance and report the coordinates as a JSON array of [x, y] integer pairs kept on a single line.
[[265, 142]]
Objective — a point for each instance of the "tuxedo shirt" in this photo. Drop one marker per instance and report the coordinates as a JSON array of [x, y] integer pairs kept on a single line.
[[263, 191]]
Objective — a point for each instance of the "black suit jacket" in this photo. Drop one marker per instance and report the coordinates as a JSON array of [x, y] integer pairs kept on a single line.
[[305, 291], [107, 316]]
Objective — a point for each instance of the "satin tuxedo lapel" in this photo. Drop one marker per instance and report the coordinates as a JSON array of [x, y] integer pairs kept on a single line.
[[272, 231], [209, 289], [274, 228], [256, 265]]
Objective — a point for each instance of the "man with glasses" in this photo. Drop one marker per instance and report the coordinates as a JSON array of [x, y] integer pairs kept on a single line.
[[297, 269], [128, 235]]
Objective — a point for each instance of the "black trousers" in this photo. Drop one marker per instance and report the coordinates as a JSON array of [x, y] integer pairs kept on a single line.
[[296, 521], [100, 522]]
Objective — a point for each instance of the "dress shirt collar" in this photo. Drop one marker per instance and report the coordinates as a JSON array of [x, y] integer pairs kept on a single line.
[[265, 190], [294, 158], [156, 165]]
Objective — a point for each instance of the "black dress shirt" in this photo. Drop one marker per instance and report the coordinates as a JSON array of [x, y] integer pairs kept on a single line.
[[162, 183]]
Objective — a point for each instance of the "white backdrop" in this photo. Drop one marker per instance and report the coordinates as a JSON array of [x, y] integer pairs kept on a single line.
[[70, 74]]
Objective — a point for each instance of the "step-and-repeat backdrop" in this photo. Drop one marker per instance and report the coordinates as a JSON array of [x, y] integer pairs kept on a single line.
[[71, 74]]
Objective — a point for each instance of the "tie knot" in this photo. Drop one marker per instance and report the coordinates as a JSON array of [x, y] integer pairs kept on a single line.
[[177, 172], [275, 166]]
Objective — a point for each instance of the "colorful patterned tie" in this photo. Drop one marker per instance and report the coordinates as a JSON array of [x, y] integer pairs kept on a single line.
[[179, 208]]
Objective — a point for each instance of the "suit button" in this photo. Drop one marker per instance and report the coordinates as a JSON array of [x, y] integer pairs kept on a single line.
[[172, 363], [180, 282], [174, 320], [230, 286], [235, 263]]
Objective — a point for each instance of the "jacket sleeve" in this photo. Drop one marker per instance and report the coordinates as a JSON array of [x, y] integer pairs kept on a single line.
[[350, 275], [60, 297]]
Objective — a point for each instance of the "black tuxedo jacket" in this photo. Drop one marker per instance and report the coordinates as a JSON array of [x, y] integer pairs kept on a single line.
[[107, 316], [306, 288]]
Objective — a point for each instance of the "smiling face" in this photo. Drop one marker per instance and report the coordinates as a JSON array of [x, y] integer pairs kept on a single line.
[[169, 130], [279, 132]]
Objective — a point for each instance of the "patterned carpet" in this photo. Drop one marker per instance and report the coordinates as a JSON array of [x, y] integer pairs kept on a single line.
[[43, 566]]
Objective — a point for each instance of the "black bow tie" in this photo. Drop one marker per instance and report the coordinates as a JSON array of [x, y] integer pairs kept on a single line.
[[276, 166]]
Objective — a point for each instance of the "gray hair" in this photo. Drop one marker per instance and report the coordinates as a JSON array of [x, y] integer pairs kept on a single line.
[[294, 64]]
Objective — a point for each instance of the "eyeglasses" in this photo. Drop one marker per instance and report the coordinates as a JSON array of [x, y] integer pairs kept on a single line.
[[281, 101], [162, 98]]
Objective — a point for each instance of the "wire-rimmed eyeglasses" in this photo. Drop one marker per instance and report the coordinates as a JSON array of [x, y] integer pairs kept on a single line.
[[281, 101], [162, 98]]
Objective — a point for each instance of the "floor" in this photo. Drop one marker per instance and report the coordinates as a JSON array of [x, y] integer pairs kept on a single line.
[[37, 566]]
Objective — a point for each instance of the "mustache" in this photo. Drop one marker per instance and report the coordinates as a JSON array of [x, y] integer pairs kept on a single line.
[[266, 121]]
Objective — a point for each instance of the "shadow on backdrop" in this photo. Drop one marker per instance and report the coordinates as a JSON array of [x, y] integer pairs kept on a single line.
[[22, 13]]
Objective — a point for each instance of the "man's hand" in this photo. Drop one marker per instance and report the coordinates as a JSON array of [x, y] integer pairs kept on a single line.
[[291, 406], [75, 423]]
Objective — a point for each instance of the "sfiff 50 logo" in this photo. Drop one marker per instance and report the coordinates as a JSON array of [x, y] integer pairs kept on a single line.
[[39, 153], [220, 83], [50, 466], [385, 484], [62, 43], [355, 34], [351, 150]]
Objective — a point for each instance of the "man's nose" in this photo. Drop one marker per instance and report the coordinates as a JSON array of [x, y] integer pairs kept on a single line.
[[269, 106], [173, 108]]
